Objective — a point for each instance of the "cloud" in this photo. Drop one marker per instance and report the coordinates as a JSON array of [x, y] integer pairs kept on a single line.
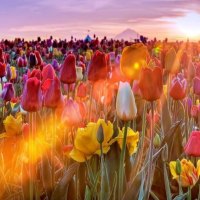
[[63, 17]]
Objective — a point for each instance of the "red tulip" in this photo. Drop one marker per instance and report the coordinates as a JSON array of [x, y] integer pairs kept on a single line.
[[32, 96], [67, 148], [196, 85], [7, 58], [48, 72], [1, 55], [71, 114], [68, 70], [2, 69], [98, 67], [52, 92], [39, 58], [136, 88], [82, 59], [150, 83], [185, 59], [82, 90], [193, 144], [35, 73], [20, 62], [194, 111], [149, 118], [197, 70], [178, 88]]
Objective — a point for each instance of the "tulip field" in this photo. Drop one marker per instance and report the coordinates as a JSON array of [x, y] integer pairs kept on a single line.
[[101, 119]]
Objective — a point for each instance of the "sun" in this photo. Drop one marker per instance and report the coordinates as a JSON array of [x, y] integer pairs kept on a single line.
[[189, 25]]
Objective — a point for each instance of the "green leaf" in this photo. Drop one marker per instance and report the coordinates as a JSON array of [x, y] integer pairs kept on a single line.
[[46, 175], [165, 115], [61, 190], [181, 197], [16, 108], [88, 195], [133, 189]]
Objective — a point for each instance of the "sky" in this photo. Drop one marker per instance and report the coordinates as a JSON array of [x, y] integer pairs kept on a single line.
[[175, 19]]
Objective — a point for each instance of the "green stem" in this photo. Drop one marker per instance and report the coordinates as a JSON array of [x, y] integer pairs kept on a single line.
[[148, 186], [167, 184], [121, 164], [189, 194], [179, 184], [102, 193]]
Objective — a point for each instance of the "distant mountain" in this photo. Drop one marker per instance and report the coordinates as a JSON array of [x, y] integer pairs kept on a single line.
[[128, 34]]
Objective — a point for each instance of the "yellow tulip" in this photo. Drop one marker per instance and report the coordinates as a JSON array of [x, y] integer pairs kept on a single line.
[[189, 174], [88, 55], [133, 59], [125, 103], [131, 140], [86, 144], [165, 90], [13, 73], [13, 126]]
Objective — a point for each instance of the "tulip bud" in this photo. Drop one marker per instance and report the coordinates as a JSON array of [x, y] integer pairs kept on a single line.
[[178, 167], [156, 141], [100, 134], [125, 103]]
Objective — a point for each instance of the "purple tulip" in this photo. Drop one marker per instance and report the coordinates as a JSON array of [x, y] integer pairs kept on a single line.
[[24, 78], [8, 92], [8, 72], [55, 65]]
